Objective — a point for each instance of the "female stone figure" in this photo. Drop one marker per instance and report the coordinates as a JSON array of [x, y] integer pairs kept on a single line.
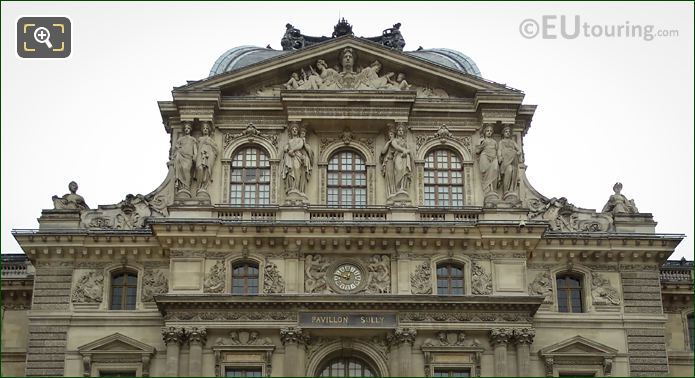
[[387, 169], [401, 166], [205, 160], [618, 203], [297, 160], [185, 152], [70, 201], [508, 154], [487, 163]]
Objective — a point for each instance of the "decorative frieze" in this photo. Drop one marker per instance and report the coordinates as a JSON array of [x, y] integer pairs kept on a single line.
[[187, 315]]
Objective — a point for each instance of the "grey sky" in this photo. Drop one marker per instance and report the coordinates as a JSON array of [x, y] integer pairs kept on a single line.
[[610, 109]]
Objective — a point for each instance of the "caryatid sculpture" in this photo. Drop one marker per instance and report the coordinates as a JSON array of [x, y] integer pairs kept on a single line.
[[508, 155], [397, 165], [297, 162], [488, 163], [185, 152], [70, 201], [206, 157]]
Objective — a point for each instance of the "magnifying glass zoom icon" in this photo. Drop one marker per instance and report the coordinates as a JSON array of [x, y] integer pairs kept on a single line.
[[42, 35]]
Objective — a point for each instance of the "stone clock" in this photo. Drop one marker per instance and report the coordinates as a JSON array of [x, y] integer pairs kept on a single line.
[[347, 276]]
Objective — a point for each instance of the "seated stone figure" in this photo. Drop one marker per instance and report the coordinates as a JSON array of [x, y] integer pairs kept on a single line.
[[70, 201]]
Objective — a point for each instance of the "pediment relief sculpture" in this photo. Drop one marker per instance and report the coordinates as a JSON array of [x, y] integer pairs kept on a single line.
[[348, 76], [444, 338], [128, 214], [243, 337], [70, 201]]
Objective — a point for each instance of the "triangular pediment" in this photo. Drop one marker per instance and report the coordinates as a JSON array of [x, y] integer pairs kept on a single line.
[[578, 346], [259, 78], [116, 343]]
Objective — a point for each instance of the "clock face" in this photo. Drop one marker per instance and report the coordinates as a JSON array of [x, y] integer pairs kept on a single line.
[[347, 277]]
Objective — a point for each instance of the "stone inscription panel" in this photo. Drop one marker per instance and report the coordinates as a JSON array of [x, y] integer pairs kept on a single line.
[[347, 320]]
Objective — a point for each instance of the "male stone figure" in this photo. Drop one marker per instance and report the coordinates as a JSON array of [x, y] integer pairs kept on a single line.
[[70, 201], [185, 152]]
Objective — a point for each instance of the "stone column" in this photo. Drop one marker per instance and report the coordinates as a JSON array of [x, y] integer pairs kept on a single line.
[[523, 338], [196, 341], [294, 340], [401, 342], [173, 338], [499, 337]]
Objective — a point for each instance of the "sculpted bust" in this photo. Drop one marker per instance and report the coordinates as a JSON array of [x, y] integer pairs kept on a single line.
[[70, 201]]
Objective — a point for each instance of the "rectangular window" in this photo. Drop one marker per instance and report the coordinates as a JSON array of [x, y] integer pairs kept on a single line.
[[452, 372], [117, 373], [243, 372]]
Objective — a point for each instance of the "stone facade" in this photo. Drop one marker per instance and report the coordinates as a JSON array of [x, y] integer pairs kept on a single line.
[[346, 199]]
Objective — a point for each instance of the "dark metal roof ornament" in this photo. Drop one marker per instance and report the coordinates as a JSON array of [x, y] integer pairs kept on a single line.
[[295, 40]]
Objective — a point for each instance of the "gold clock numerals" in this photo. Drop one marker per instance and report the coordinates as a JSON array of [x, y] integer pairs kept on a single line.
[[347, 277]]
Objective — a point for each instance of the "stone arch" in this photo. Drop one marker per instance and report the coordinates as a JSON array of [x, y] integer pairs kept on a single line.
[[362, 349], [450, 143], [462, 260], [250, 141], [339, 145]]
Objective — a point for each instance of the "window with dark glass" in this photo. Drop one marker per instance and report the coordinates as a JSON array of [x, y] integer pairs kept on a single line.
[[117, 373], [569, 293], [691, 332], [243, 372], [347, 180], [452, 372], [245, 278], [347, 367], [250, 177], [443, 179], [124, 290], [449, 279]]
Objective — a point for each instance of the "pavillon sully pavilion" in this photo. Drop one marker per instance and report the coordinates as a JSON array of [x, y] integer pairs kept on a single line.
[[344, 207]]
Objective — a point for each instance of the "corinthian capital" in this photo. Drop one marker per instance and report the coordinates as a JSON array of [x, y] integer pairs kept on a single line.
[[402, 335], [524, 335], [293, 335], [173, 335], [500, 336], [197, 335]]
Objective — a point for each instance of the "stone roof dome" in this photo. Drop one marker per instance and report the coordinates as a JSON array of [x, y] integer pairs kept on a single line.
[[242, 56], [448, 58]]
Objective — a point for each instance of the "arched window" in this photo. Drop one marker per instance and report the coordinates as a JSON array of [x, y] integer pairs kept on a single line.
[[443, 178], [569, 293], [347, 367], [124, 290], [449, 279], [347, 180], [245, 278], [250, 181]]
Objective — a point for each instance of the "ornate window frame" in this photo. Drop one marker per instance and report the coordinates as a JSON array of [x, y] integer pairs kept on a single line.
[[97, 355], [109, 271], [228, 156], [324, 351], [562, 358], [577, 270], [249, 356], [445, 140], [464, 261], [457, 153], [452, 357], [337, 146], [229, 263]]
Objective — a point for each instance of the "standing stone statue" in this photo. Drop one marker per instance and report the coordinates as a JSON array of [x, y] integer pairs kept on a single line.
[[488, 163], [386, 160], [185, 153], [205, 159], [618, 203], [397, 162], [297, 161], [508, 154], [70, 201]]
